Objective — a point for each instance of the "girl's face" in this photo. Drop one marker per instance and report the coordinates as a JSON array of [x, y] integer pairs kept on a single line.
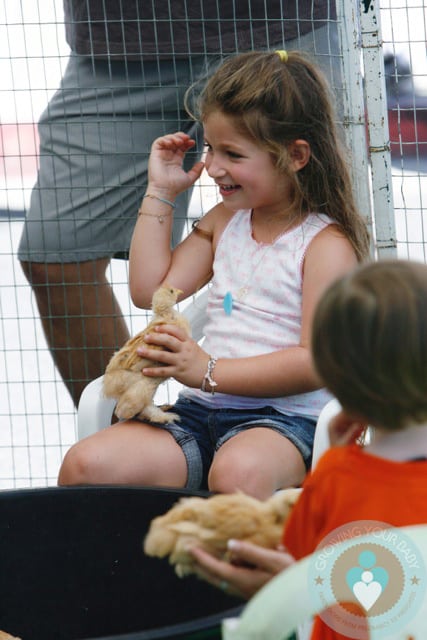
[[243, 171]]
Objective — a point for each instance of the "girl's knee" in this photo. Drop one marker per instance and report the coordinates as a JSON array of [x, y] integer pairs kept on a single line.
[[78, 466], [228, 475], [254, 472]]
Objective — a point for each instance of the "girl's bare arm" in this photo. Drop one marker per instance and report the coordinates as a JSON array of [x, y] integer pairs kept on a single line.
[[151, 257]]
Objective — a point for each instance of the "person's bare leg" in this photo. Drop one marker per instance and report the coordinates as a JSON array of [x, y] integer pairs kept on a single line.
[[81, 318], [130, 453], [258, 462]]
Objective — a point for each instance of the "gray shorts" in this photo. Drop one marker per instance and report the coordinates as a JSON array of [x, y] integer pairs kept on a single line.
[[95, 138]]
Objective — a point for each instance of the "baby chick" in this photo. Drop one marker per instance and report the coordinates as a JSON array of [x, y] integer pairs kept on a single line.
[[210, 522], [123, 378]]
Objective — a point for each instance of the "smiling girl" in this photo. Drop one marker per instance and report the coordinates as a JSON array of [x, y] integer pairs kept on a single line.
[[286, 228]]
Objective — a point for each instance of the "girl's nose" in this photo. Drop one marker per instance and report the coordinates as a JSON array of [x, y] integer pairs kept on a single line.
[[214, 168]]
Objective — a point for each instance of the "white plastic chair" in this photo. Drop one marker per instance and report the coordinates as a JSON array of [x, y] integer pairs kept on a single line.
[[278, 609], [321, 438]]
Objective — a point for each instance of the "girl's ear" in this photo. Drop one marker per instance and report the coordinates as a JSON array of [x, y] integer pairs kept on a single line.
[[299, 153]]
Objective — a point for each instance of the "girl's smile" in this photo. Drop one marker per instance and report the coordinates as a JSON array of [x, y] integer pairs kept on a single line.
[[227, 189]]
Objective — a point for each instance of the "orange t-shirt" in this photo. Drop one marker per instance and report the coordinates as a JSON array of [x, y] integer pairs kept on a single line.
[[348, 485]]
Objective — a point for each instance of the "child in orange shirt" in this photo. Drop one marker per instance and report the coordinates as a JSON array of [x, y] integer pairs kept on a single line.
[[369, 344]]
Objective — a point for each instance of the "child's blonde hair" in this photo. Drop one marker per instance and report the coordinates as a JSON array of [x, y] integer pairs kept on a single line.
[[369, 342], [275, 100]]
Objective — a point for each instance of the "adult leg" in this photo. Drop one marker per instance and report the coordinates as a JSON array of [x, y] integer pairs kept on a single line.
[[81, 318], [257, 461], [129, 453]]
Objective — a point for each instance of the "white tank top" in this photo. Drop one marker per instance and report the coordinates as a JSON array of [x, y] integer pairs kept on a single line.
[[264, 282]]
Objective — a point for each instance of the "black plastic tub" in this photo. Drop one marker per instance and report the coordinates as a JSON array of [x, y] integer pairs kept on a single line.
[[72, 568]]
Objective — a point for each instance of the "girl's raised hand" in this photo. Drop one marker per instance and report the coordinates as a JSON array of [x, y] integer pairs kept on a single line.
[[165, 171]]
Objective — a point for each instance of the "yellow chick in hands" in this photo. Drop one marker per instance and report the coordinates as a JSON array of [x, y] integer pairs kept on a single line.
[[210, 522], [123, 378]]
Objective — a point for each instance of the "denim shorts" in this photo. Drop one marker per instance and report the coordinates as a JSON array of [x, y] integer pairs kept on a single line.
[[202, 430]]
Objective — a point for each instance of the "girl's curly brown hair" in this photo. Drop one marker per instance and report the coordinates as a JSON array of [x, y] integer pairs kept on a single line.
[[275, 103]]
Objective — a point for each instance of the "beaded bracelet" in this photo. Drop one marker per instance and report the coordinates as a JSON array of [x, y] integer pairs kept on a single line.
[[208, 376], [169, 202]]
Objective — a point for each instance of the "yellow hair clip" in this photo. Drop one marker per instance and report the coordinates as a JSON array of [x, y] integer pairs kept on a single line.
[[283, 55]]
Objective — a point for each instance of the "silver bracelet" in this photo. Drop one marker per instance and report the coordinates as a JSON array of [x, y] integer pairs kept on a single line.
[[168, 202], [208, 375]]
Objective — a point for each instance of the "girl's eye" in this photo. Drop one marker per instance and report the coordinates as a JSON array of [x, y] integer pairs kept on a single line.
[[233, 154]]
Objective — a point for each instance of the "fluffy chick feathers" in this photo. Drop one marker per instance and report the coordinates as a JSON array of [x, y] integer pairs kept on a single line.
[[123, 378], [210, 522]]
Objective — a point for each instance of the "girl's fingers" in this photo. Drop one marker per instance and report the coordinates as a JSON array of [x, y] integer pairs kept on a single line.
[[178, 139], [209, 564], [172, 330], [164, 340], [168, 336]]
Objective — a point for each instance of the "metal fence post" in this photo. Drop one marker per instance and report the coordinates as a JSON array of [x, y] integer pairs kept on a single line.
[[353, 105], [378, 131]]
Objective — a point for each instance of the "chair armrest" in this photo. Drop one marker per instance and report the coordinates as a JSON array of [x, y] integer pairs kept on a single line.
[[321, 436], [95, 411]]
